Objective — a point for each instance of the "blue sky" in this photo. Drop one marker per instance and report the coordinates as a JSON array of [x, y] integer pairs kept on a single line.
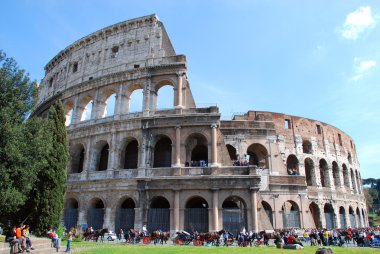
[[316, 59]]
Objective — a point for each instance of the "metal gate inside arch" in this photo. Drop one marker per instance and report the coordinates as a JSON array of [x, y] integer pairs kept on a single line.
[[196, 219], [125, 218], [158, 219], [234, 220], [71, 217], [95, 218]]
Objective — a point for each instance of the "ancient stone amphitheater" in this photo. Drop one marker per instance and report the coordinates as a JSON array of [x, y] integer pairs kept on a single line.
[[184, 168]]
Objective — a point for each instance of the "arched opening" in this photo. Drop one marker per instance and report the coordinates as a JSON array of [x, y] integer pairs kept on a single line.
[[131, 154], [165, 97], [291, 215], [316, 214], [95, 217], [329, 215], [360, 224], [323, 170], [292, 165], [346, 176], [349, 158], [353, 182], [159, 214], [309, 172], [359, 182], [77, 154], [86, 114], [268, 211], [163, 153], [70, 213], [232, 153], [69, 116], [342, 217], [336, 174], [103, 158], [196, 150], [110, 103], [136, 101], [125, 215], [352, 217], [307, 147], [234, 215], [364, 218], [196, 215], [258, 155]]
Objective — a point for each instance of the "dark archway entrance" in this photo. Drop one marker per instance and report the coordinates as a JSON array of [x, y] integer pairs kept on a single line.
[[258, 155], [159, 214], [323, 170], [103, 159], [291, 215], [71, 213], [196, 215], [125, 215], [342, 217], [163, 153], [268, 211], [329, 216], [234, 215], [95, 217], [131, 155], [197, 150], [232, 152], [292, 165], [77, 158], [309, 172], [316, 213]]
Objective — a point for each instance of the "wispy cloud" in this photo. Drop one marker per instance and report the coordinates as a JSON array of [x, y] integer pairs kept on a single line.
[[362, 67], [357, 22]]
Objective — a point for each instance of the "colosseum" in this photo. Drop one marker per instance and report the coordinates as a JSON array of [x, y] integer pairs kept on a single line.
[[184, 168]]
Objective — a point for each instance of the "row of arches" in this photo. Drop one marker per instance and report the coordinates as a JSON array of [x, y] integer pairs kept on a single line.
[[307, 148], [196, 214], [341, 176], [110, 102]]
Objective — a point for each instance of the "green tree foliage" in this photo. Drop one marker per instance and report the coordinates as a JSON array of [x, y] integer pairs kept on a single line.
[[368, 199], [50, 187], [16, 90]]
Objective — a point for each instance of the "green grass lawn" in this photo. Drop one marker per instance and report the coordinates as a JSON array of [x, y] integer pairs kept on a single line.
[[140, 249]]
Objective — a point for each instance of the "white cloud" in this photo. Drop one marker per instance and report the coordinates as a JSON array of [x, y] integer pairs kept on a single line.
[[357, 22], [362, 67]]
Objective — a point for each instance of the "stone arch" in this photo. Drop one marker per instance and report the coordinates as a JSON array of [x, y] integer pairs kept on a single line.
[[316, 214], [130, 153], [108, 107], [197, 150], [292, 165], [346, 176], [342, 217], [329, 215], [77, 157], [359, 219], [324, 173], [162, 156], [258, 155], [163, 85], [234, 211], [85, 109], [70, 213], [307, 147], [159, 214], [353, 181], [232, 152], [268, 211], [349, 158], [310, 172], [69, 109], [291, 214], [101, 154], [196, 214], [125, 214], [95, 216], [352, 217], [336, 174], [135, 98]]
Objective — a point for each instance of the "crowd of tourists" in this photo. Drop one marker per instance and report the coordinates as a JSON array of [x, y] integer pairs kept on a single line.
[[19, 238]]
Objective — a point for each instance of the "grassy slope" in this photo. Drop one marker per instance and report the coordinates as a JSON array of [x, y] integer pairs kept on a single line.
[[114, 249]]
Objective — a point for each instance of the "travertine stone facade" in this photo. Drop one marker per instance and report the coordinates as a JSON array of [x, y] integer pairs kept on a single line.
[[184, 168]]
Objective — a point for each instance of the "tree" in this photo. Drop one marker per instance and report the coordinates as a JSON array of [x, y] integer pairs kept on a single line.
[[368, 199], [49, 190], [16, 90]]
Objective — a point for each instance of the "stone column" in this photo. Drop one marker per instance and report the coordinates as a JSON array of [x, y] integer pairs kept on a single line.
[[176, 210], [254, 209], [74, 117], [95, 106], [214, 154], [146, 97], [113, 160], [107, 218], [82, 217], [179, 90], [330, 177], [177, 162], [215, 208]]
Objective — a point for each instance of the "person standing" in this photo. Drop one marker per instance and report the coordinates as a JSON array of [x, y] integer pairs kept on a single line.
[[69, 236]]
